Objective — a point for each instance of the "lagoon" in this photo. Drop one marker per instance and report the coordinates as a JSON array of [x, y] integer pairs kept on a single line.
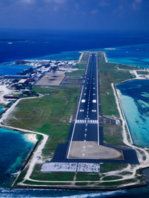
[[135, 104]]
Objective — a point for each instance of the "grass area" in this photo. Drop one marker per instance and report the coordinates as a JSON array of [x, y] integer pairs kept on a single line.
[[105, 167], [46, 183], [49, 114], [87, 176], [112, 134], [118, 183], [128, 67], [53, 176], [81, 184], [112, 178], [109, 74]]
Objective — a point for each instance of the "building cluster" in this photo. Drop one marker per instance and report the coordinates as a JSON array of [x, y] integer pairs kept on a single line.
[[24, 81]]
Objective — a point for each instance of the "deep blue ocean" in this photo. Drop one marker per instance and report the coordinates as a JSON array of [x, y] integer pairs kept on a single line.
[[130, 48]]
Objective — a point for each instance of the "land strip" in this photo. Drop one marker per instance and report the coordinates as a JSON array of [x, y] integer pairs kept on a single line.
[[126, 174]]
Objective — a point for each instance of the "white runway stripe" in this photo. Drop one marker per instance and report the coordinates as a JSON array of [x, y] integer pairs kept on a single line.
[[86, 122]]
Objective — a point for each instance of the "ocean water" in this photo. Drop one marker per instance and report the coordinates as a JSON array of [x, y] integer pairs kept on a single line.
[[1, 110], [135, 103], [66, 55], [25, 44], [14, 148], [130, 55], [131, 48], [12, 69]]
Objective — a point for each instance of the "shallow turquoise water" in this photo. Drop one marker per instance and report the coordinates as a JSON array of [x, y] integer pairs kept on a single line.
[[14, 148], [135, 103], [129, 55], [1, 110]]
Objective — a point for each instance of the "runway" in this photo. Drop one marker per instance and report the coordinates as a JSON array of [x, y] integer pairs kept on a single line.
[[86, 126], [84, 143]]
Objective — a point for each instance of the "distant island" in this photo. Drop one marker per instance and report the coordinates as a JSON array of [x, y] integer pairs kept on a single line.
[[74, 113]]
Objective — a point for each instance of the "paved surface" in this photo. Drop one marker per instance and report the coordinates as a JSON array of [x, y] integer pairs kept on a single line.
[[51, 79], [70, 167], [91, 150], [84, 143]]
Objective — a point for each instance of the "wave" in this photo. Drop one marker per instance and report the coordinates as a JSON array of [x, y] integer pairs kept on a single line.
[[5, 192]]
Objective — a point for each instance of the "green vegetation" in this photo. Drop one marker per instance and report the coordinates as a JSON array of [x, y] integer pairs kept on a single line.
[[127, 67], [118, 183], [112, 134], [112, 178], [49, 115], [105, 167], [81, 184], [109, 74], [52, 112], [87, 176], [46, 183]]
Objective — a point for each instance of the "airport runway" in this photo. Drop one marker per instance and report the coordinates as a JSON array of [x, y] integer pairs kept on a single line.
[[85, 143], [86, 125]]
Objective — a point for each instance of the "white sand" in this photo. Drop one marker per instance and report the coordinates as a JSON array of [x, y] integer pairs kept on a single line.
[[4, 91], [80, 58], [105, 56], [31, 137]]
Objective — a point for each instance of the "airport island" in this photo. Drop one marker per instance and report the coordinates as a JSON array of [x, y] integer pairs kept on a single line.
[[74, 113]]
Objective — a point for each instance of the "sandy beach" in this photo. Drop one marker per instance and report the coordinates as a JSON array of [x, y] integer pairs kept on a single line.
[[31, 137], [80, 58], [4, 90]]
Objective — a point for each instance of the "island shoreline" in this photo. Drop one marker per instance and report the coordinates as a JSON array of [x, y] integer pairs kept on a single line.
[[12, 108]]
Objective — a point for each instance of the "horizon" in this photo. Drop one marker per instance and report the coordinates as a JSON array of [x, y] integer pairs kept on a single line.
[[73, 15]]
